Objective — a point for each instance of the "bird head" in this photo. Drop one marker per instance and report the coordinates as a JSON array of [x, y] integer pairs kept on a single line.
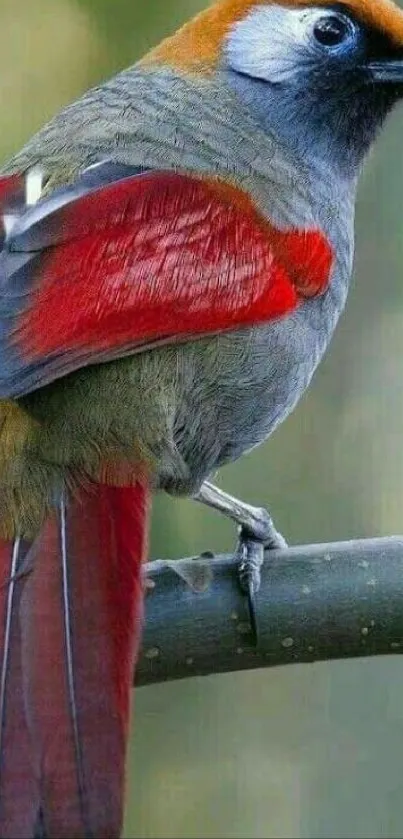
[[321, 76]]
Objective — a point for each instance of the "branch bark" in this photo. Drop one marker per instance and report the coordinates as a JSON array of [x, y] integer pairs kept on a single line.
[[316, 602]]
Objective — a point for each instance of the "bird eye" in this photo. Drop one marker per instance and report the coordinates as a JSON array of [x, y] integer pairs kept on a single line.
[[332, 30]]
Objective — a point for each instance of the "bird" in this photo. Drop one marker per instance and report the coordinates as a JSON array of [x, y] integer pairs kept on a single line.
[[176, 251]]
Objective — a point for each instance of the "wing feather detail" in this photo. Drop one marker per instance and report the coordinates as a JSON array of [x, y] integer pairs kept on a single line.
[[113, 266]]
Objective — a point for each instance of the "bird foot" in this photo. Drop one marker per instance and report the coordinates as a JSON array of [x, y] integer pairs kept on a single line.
[[250, 554], [251, 550], [257, 533]]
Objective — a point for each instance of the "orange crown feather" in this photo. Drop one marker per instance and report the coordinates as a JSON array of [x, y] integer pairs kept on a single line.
[[197, 45]]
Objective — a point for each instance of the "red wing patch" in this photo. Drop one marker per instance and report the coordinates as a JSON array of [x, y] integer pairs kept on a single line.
[[150, 258], [158, 260]]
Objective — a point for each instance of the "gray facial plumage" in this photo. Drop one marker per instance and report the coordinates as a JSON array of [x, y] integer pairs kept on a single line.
[[319, 98]]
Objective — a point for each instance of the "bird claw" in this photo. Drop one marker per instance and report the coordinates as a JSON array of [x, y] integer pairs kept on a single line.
[[251, 549], [256, 534], [251, 556]]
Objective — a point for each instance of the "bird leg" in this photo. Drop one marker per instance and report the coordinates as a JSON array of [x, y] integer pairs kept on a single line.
[[256, 533]]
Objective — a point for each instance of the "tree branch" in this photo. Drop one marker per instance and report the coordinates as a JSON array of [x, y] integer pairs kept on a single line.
[[316, 602]]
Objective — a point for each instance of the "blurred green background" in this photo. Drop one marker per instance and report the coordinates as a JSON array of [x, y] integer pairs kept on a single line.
[[305, 751]]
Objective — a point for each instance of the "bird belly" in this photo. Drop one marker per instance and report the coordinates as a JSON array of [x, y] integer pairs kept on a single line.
[[177, 411], [235, 389]]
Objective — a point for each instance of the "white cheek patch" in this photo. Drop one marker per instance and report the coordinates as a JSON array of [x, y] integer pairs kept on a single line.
[[272, 43]]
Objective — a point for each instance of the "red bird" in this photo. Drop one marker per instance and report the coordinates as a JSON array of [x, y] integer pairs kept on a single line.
[[176, 250]]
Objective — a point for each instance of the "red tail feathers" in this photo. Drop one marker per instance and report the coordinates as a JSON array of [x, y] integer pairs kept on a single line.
[[71, 628]]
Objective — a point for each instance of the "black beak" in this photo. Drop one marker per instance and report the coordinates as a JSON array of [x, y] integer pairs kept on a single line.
[[386, 70]]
